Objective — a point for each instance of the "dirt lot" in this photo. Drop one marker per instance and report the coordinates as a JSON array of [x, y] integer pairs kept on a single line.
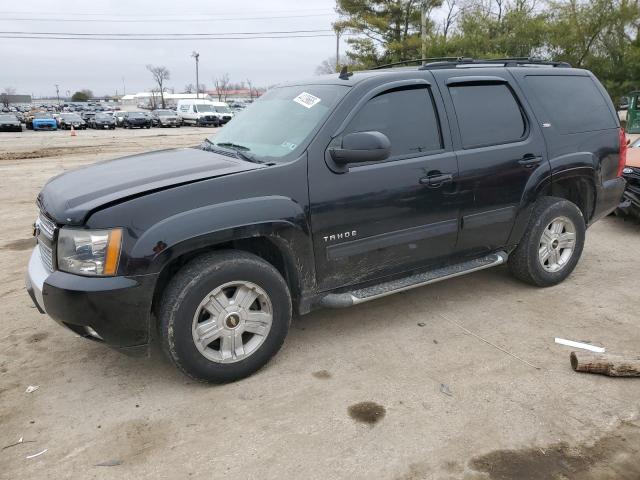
[[445, 404]]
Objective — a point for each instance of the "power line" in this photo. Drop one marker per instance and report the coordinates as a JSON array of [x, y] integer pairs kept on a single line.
[[131, 39], [166, 34], [172, 20], [165, 15]]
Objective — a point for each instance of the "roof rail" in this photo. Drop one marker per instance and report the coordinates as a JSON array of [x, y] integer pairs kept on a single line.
[[416, 60], [449, 62]]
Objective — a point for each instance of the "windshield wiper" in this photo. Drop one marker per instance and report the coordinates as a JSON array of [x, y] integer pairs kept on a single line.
[[241, 151]]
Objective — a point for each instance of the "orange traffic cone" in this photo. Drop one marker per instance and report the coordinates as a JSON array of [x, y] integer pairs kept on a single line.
[[73, 131]]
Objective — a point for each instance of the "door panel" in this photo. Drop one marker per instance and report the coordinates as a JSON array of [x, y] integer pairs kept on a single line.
[[383, 217], [498, 147]]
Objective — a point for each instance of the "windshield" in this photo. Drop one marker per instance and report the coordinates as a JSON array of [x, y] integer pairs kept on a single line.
[[164, 113], [71, 116], [203, 107], [103, 116], [42, 115], [280, 123], [636, 143], [222, 109], [136, 115], [7, 117]]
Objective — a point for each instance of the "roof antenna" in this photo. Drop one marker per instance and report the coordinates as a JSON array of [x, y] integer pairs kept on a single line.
[[344, 75]]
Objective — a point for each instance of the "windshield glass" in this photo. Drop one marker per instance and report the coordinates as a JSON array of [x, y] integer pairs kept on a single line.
[[136, 115], [42, 115], [103, 116], [280, 123], [164, 113], [203, 107], [635, 144], [222, 109], [7, 117], [71, 116]]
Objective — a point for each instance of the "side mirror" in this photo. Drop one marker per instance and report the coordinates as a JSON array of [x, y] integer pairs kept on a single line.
[[362, 147]]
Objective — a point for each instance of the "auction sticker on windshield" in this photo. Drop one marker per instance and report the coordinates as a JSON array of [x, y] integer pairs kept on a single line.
[[307, 100]]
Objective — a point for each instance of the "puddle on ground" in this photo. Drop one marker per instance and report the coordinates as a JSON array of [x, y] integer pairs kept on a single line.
[[24, 244], [367, 412], [613, 457], [323, 374], [37, 337]]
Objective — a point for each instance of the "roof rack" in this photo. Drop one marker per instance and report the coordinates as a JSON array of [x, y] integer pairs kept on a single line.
[[449, 62]]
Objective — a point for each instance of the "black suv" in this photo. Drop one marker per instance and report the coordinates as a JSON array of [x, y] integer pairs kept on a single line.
[[328, 193], [136, 120]]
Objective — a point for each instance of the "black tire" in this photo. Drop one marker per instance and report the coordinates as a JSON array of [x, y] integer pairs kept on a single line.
[[191, 285], [524, 261]]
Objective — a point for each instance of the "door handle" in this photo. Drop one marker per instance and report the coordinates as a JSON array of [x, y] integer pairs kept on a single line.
[[435, 181], [529, 160]]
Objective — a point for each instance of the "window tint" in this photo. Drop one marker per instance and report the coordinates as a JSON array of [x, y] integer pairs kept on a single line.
[[573, 104], [407, 117], [487, 114]]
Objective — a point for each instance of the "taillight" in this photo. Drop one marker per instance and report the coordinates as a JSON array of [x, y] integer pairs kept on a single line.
[[622, 159]]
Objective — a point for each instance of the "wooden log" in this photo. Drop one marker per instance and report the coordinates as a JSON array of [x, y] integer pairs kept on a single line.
[[606, 364]]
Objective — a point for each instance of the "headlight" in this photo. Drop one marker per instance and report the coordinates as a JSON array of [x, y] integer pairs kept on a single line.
[[89, 252]]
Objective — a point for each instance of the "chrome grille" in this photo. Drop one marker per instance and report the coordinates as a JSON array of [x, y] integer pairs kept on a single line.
[[47, 256], [47, 227]]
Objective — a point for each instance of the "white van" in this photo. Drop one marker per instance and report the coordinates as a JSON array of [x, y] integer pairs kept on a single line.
[[204, 112]]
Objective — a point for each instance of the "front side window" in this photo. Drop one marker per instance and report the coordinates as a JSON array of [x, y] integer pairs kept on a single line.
[[406, 116], [488, 114]]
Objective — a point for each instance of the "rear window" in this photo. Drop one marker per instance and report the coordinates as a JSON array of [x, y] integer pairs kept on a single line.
[[488, 114], [572, 104]]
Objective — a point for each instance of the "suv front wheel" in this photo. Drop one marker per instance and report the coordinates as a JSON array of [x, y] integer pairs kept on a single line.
[[552, 244], [224, 315]]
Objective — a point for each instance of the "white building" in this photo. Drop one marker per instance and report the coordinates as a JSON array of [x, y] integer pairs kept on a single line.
[[171, 99]]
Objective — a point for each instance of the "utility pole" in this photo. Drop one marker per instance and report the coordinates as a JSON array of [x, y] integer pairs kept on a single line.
[[196, 55], [58, 93], [424, 28], [124, 88], [337, 49]]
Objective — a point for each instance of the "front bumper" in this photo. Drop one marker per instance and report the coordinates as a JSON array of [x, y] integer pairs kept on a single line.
[[112, 310]]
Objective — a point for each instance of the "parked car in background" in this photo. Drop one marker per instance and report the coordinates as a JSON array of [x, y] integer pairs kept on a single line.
[[165, 118], [225, 114], [67, 120], [630, 203], [136, 120], [87, 116], [198, 112], [102, 121], [119, 117], [9, 123], [43, 121]]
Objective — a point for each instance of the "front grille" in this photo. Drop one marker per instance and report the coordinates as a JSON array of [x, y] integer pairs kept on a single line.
[[46, 226], [47, 256]]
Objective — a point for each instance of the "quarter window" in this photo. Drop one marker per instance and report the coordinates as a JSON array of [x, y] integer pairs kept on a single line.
[[487, 114], [406, 116]]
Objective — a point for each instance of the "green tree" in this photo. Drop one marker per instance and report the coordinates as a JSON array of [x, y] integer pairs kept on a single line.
[[82, 95]]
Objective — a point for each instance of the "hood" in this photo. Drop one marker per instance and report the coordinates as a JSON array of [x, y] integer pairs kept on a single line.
[[70, 197], [633, 157]]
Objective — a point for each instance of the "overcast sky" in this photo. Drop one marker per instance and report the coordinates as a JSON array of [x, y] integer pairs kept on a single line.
[[33, 66]]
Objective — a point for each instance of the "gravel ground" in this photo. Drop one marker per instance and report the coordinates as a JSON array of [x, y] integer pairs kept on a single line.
[[417, 385]]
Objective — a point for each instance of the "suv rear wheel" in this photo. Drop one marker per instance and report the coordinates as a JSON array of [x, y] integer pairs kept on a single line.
[[552, 244], [224, 315]]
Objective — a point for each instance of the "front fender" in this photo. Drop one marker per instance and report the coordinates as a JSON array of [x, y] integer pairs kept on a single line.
[[278, 218]]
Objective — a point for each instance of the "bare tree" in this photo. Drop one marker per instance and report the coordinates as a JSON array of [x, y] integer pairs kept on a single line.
[[250, 87], [190, 88], [202, 88], [329, 65], [221, 85], [5, 97], [449, 21], [160, 75]]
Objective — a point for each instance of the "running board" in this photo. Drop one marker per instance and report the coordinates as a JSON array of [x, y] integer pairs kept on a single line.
[[354, 297]]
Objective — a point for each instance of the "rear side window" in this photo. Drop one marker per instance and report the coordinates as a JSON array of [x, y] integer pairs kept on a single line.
[[407, 117], [573, 104], [488, 114]]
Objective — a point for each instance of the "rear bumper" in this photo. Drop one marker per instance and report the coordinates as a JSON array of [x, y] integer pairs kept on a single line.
[[608, 197], [111, 310]]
